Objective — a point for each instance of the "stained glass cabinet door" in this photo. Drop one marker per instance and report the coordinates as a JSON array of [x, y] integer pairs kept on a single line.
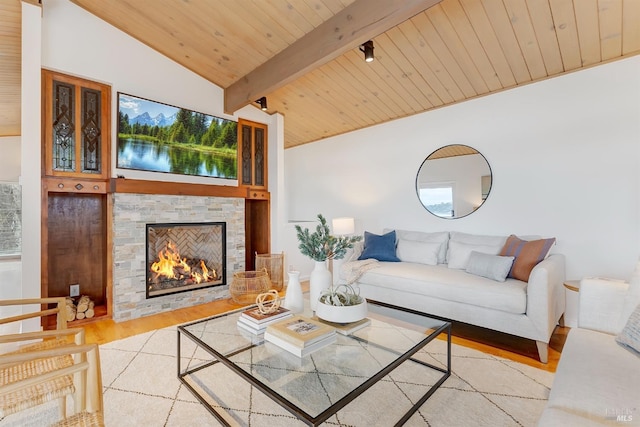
[[76, 126]]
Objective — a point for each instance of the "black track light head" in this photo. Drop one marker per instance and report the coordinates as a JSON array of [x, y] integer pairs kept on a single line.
[[367, 48], [263, 103]]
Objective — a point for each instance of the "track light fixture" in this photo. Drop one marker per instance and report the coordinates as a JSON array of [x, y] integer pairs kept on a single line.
[[367, 48], [263, 103]]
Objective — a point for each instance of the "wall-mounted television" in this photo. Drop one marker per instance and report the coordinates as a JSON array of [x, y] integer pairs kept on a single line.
[[158, 137]]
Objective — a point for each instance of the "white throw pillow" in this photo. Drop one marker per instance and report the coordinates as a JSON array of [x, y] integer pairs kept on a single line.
[[418, 252], [441, 237], [494, 267], [633, 294], [492, 244], [478, 239], [459, 253]]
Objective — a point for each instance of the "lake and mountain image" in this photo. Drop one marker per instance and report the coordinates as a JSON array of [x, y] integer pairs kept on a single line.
[[161, 138]]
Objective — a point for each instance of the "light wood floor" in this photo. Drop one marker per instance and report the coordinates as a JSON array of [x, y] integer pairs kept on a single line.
[[491, 342]]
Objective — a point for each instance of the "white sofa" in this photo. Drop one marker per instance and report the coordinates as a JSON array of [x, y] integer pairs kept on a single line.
[[444, 288], [598, 380]]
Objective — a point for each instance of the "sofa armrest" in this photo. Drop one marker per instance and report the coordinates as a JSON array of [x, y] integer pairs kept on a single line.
[[545, 295], [602, 302]]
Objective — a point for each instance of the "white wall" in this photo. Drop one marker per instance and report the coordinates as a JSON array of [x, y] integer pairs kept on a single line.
[[565, 157], [10, 159], [63, 37]]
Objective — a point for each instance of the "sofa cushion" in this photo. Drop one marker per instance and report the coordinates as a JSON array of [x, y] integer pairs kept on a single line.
[[602, 301], [558, 417], [478, 239], [632, 298], [461, 244], [459, 253], [527, 253], [382, 248], [440, 282], [630, 335], [492, 267], [420, 252], [441, 237], [595, 377]]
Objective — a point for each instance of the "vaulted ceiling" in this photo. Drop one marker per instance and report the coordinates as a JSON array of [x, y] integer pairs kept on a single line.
[[10, 37], [304, 55]]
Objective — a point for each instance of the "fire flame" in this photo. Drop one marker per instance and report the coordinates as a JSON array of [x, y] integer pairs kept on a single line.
[[172, 266]]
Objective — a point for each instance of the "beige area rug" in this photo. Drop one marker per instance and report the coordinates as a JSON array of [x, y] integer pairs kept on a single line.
[[141, 389]]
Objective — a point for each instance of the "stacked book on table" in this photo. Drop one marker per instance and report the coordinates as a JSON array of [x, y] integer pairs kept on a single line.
[[346, 328], [300, 336], [255, 322]]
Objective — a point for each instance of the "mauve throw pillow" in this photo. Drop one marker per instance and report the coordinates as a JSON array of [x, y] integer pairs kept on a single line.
[[527, 255], [382, 248]]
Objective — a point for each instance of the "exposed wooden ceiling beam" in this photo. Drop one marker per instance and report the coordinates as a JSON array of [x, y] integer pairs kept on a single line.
[[362, 20]]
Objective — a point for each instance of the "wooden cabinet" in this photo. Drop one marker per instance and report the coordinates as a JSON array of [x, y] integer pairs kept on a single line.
[[252, 174], [76, 204], [252, 154]]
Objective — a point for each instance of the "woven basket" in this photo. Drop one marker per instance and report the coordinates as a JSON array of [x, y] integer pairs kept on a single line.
[[247, 285], [274, 264]]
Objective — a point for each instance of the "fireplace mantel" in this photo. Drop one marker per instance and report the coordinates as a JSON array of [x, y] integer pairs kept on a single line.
[[139, 186]]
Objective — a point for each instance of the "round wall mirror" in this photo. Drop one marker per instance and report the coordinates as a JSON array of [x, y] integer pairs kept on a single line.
[[453, 181]]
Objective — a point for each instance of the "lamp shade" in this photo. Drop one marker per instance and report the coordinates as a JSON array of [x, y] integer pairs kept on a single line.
[[343, 226]]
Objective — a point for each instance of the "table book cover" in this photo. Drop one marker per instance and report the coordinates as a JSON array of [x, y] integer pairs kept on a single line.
[[258, 328], [254, 315], [346, 328], [297, 350], [300, 330]]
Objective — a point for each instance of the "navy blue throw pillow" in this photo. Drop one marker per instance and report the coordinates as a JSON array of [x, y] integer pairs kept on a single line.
[[382, 248]]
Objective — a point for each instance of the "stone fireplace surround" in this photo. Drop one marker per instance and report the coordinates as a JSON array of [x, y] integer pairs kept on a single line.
[[131, 213]]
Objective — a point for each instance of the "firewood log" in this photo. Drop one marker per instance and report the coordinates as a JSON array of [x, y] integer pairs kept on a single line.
[[71, 312], [90, 311], [83, 303], [80, 315]]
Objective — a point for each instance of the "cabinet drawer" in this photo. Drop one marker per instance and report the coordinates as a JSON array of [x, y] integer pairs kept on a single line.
[[254, 194], [57, 185]]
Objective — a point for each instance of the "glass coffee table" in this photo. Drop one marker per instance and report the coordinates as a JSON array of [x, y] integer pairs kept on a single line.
[[315, 387]]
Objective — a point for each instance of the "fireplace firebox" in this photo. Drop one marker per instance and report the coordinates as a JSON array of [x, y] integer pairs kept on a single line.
[[185, 256]]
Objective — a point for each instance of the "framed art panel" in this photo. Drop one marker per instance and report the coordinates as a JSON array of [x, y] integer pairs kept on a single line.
[[157, 137]]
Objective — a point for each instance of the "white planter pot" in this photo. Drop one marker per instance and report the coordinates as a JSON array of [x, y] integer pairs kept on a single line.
[[342, 314], [319, 280]]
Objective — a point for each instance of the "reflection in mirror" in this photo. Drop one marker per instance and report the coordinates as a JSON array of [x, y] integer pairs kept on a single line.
[[453, 181]]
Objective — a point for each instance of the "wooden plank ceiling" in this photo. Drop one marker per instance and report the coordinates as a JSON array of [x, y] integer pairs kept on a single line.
[[453, 51], [10, 58]]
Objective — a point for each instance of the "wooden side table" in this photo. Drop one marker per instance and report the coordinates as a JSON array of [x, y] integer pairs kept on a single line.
[[572, 288]]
